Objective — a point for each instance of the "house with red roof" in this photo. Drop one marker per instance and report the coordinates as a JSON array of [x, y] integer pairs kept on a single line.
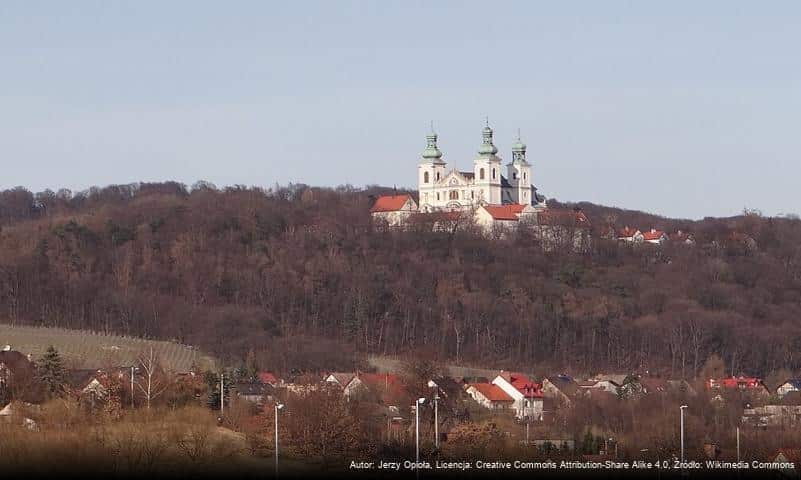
[[393, 210], [490, 396], [628, 234], [680, 237], [506, 217], [654, 237], [751, 385], [552, 226], [269, 378], [527, 394], [387, 387]]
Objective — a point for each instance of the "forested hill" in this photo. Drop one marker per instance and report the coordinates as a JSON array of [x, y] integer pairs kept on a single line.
[[300, 276]]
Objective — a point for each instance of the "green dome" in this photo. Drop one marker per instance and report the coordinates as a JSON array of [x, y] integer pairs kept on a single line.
[[487, 148], [431, 151]]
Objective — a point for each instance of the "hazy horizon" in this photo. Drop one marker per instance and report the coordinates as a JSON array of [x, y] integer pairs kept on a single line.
[[684, 110]]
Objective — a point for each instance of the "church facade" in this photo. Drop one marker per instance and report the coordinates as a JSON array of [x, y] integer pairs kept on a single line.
[[441, 188]]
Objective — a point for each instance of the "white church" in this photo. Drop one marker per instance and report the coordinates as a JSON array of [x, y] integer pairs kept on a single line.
[[446, 189], [490, 199]]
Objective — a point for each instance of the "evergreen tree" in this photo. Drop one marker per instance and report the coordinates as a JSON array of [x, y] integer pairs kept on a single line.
[[213, 384], [52, 372]]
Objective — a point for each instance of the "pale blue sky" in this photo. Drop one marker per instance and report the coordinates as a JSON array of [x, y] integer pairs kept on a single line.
[[679, 108]]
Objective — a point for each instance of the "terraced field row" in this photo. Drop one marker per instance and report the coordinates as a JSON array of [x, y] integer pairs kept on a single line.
[[83, 349]]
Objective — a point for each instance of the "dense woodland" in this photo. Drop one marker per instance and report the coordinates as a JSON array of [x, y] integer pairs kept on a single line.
[[302, 277]]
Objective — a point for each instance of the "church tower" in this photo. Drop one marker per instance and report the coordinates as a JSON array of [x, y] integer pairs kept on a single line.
[[519, 174], [487, 170], [429, 172]]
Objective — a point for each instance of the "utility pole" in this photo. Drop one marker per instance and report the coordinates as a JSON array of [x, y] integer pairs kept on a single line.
[[278, 406], [738, 444], [222, 393], [417, 435], [681, 410]]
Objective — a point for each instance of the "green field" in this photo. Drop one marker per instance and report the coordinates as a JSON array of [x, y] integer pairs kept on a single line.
[[83, 349]]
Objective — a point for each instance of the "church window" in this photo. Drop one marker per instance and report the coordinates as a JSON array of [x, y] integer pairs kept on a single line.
[[472, 194], [437, 195], [493, 174], [438, 176], [524, 175], [481, 174], [514, 175], [453, 195], [425, 177]]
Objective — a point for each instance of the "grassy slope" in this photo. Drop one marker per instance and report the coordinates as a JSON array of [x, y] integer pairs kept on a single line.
[[83, 349]]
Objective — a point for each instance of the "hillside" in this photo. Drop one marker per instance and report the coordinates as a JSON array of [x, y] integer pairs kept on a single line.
[[299, 276], [82, 349]]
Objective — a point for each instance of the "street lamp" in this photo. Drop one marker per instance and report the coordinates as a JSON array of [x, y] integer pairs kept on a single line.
[[681, 410], [417, 431], [436, 420], [278, 406]]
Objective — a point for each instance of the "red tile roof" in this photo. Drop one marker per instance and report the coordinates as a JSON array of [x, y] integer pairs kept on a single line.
[[268, 378], [652, 234], [492, 392], [627, 232], [524, 385], [388, 385], [562, 216], [735, 382], [390, 203], [504, 212]]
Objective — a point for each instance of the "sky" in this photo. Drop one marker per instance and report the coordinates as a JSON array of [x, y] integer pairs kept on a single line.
[[685, 109]]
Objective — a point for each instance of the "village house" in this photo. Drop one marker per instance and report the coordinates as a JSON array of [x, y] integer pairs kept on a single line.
[[628, 234], [339, 379], [89, 386], [394, 210], [654, 237], [269, 378], [490, 396], [788, 456], [254, 392], [527, 395], [750, 384], [789, 386], [662, 386], [681, 238], [607, 382], [561, 388], [386, 387], [773, 416]]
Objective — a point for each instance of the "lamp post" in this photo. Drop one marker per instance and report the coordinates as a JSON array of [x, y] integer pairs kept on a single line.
[[278, 406], [436, 420], [681, 410], [417, 433], [222, 393]]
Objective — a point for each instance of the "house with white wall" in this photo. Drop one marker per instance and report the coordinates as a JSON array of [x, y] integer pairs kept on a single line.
[[527, 395], [490, 396], [393, 210]]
